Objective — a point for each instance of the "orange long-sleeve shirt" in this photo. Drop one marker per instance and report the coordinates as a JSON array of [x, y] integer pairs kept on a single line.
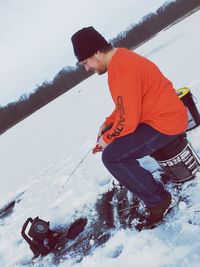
[[142, 94]]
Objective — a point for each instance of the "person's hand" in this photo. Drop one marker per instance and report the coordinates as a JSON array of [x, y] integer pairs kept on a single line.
[[102, 143], [100, 146], [97, 149], [102, 129]]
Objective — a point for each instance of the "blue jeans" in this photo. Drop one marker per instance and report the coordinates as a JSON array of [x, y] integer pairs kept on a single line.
[[120, 158]]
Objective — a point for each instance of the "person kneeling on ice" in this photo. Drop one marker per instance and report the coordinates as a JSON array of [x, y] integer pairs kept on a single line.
[[148, 115]]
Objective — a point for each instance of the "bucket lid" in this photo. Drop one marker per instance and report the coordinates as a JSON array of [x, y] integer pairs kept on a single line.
[[181, 92]]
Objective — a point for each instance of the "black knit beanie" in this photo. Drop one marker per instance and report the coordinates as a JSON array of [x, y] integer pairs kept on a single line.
[[87, 42]]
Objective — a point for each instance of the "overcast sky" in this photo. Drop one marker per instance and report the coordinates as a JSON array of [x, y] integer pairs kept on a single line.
[[35, 36]]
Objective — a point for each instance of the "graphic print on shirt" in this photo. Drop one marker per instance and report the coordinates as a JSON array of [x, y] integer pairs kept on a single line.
[[120, 125]]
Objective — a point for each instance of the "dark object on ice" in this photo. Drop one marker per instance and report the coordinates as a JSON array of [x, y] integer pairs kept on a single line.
[[178, 160], [76, 228], [9, 208], [193, 114], [43, 240], [40, 238], [70, 234]]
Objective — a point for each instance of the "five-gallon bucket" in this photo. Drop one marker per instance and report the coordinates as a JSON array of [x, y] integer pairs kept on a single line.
[[178, 160], [193, 114]]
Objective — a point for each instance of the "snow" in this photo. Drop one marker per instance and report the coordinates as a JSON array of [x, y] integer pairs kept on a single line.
[[39, 155]]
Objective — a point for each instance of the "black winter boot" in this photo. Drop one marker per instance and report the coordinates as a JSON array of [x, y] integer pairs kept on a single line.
[[154, 215]]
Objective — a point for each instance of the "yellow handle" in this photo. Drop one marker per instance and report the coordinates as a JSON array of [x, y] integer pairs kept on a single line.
[[182, 91]]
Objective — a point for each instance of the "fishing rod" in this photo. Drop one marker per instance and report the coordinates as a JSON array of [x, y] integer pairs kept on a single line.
[[94, 150], [75, 169]]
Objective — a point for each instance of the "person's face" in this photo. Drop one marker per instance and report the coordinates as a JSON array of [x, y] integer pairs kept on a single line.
[[95, 63]]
